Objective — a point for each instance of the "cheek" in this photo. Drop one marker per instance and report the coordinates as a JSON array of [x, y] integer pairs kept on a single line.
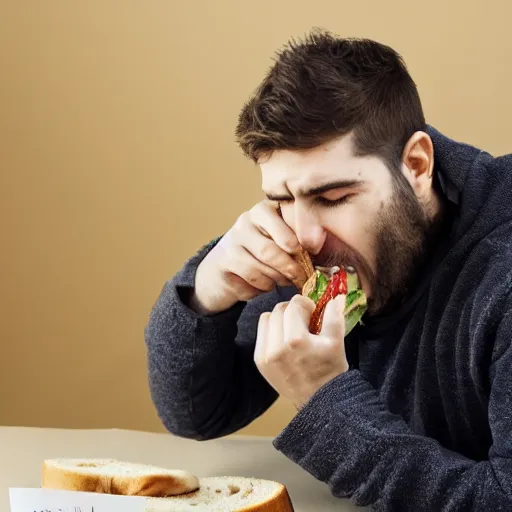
[[355, 226], [348, 223]]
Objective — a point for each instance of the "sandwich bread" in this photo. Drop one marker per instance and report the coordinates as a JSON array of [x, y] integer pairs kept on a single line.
[[323, 284]]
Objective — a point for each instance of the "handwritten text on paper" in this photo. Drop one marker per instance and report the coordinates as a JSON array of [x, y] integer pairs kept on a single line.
[[49, 500]]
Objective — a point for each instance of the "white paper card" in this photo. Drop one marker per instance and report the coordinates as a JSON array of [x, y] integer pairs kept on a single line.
[[49, 500]]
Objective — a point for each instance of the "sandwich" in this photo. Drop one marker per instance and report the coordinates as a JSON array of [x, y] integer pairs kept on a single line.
[[166, 490], [323, 284]]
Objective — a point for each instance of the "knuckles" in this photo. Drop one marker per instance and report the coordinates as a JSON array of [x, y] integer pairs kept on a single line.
[[258, 281], [275, 357], [259, 209], [291, 272], [266, 252], [281, 307], [241, 223], [299, 301], [295, 343]]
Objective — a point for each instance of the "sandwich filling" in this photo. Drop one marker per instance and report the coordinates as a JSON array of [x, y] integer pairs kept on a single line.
[[324, 284]]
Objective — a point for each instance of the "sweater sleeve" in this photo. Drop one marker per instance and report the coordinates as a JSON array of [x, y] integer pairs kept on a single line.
[[348, 439], [202, 377]]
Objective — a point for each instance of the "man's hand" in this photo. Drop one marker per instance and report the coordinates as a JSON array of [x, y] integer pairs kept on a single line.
[[294, 362], [250, 259]]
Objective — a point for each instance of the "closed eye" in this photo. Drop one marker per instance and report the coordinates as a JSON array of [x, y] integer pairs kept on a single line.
[[331, 203]]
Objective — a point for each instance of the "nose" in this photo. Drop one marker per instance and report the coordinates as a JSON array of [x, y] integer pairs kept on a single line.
[[309, 231]]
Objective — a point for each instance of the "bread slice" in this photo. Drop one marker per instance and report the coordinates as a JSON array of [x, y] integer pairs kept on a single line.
[[228, 494], [304, 260], [166, 490], [114, 477]]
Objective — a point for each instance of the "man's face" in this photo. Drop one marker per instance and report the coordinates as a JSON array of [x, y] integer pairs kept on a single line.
[[348, 210]]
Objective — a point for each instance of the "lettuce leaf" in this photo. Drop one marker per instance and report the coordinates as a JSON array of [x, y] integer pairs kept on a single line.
[[320, 287]]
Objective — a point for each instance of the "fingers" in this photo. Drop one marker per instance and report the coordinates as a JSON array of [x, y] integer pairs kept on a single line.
[[296, 320], [333, 322], [252, 271], [270, 336], [275, 333], [266, 218], [268, 252], [261, 339], [258, 252], [293, 361]]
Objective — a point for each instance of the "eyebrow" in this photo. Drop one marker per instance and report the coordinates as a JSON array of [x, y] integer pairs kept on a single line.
[[314, 191]]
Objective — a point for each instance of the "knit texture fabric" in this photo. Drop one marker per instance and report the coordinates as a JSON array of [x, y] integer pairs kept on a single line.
[[422, 421]]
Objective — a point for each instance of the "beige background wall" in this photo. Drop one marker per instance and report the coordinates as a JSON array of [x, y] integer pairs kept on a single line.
[[117, 162]]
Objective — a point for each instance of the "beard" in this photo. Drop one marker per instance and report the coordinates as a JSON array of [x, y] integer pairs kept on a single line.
[[402, 234]]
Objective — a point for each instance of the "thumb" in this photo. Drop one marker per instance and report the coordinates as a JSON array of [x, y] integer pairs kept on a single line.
[[333, 322]]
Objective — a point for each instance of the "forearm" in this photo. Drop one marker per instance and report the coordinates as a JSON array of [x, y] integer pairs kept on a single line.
[[202, 377], [348, 439]]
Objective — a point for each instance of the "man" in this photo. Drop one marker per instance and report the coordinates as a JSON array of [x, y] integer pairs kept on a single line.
[[412, 410]]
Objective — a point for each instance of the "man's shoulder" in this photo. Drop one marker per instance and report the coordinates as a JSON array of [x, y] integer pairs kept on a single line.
[[497, 244], [492, 254], [503, 161], [486, 276]]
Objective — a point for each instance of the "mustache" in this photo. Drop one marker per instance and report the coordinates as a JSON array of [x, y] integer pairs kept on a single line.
[[331, 256], [334, 253]]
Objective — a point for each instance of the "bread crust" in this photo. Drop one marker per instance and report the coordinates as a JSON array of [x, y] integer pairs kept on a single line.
[[279, 502], [159, 486], [305, 262], [155, 485]]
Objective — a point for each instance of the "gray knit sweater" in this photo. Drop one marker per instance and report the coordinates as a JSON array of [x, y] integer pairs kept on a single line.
[[422, 421]]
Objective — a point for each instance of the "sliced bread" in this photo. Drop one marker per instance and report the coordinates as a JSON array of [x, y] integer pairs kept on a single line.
[[228, 494], [115, 477], [166, 490]]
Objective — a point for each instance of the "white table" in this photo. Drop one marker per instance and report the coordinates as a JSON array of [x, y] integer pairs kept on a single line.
[[22, 451]]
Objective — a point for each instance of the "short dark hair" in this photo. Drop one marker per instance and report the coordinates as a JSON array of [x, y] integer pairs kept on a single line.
[[324, 87]]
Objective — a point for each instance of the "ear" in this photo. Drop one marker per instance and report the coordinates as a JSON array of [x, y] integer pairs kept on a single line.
[[418, 164]]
